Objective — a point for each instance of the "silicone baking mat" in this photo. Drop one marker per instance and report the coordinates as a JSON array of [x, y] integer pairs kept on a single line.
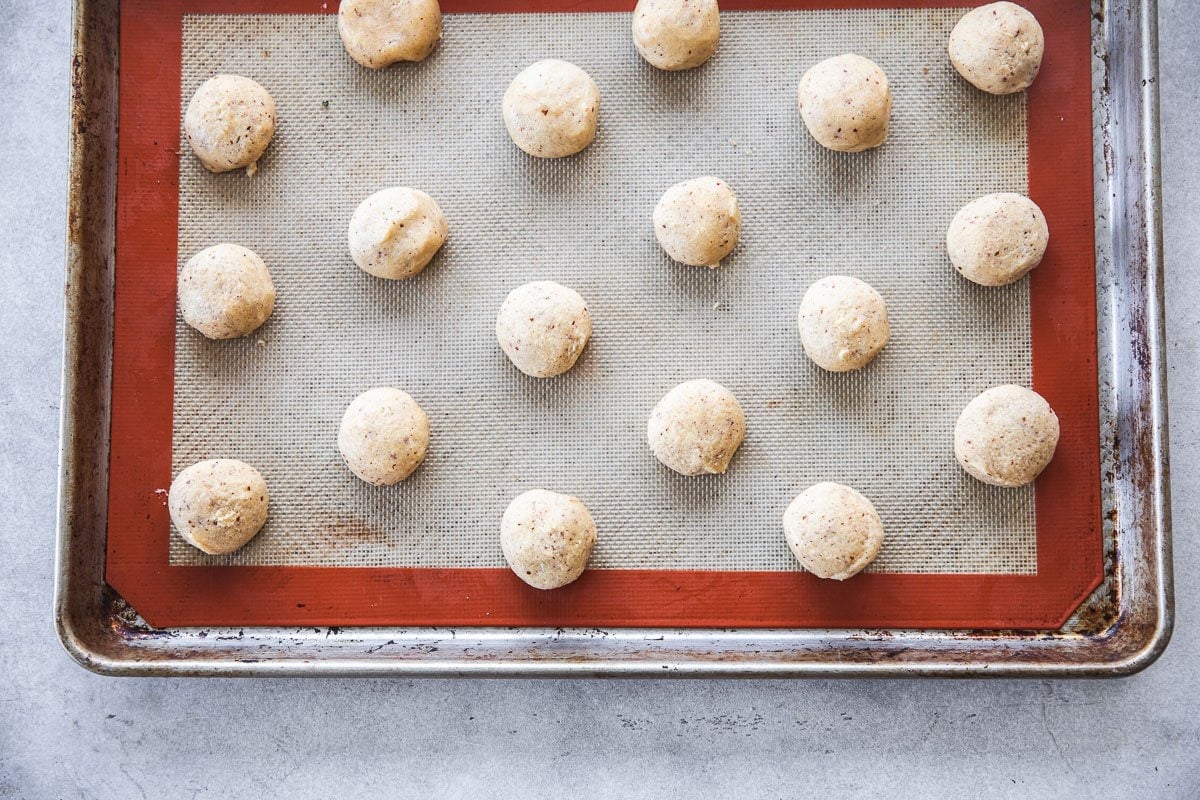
[[671, 550]]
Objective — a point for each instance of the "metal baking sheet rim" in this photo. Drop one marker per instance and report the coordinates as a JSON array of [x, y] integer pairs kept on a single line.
[[1121, 629]]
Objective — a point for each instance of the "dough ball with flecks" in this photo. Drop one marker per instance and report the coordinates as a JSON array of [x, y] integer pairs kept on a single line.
[[384, 436], [676, 34], [225, 291], [396, 232], [218, 505], [547, 538], [377, 33], [997, 239], [543, 327], [846, 103], [698, 222], [229, 123], [833, 530], [551, 109], [1006, 436], [843, 323], [998, 47], [696, 428]]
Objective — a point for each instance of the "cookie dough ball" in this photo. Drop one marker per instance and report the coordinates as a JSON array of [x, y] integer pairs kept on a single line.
[[543, 327], [696, 428], [384, 436], [998, 48], [381, 32], [833, 531], [698, 222], [997, 239], [218, 505], [551, 108], [843, 323], [1006, 436], [225, 291], [846, 103], [676, 34], [395, 232], [229, 123], [547, 538]]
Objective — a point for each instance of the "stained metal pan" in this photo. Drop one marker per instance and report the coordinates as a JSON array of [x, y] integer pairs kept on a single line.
[[1121, 628]]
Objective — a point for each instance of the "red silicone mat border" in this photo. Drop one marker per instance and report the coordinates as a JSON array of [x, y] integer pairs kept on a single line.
[[1069, 540]]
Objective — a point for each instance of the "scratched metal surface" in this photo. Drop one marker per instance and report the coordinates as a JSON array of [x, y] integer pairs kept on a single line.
[[1120, 630]]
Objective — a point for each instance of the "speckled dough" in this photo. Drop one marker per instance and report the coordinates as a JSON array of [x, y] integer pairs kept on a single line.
[[551, 109], [843, 323], [229, 123], [547, 538], [676, 34], [377, 33], [833, 530], [696, 428], [998, 48], [543, 327], [218, 505], [698, 222], [846, 103], [225, 291], [383, 436], [1006, 436], [396, 232], [997, 239]]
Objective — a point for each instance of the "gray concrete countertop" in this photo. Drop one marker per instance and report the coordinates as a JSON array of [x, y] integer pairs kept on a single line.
[[67, 733]]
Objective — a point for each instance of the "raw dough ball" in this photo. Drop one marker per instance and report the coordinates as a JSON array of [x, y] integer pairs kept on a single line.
[[697, 222], [696, 428], [550, 109], [381, 32], [998, 48], [384, 436], [218, 505], [1006, 436], [547, 538], [225, 291], [395, 232], [229, 123], [543, 327], [833, 531], [846, 103], [676, 34], [997, 239], [843, 323]]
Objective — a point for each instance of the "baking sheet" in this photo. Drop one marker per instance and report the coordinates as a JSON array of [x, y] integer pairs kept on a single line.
[[275, 399]]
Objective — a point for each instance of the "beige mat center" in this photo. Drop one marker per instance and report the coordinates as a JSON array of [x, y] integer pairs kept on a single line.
[[276, 399]]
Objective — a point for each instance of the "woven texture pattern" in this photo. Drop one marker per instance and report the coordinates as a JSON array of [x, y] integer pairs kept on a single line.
[[275, 399]]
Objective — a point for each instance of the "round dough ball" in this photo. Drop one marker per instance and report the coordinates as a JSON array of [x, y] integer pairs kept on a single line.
[[551, 108], [696, 428], [218, 505], [833, 531], [846, 103], [543, 327], [225, 291], [1006, 436], [998, 48], [547, 538], [676, 34], [997, 239], [698, 222], [384, 436], [381, 32], [843, 323], [396, 232], [229, 123]]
